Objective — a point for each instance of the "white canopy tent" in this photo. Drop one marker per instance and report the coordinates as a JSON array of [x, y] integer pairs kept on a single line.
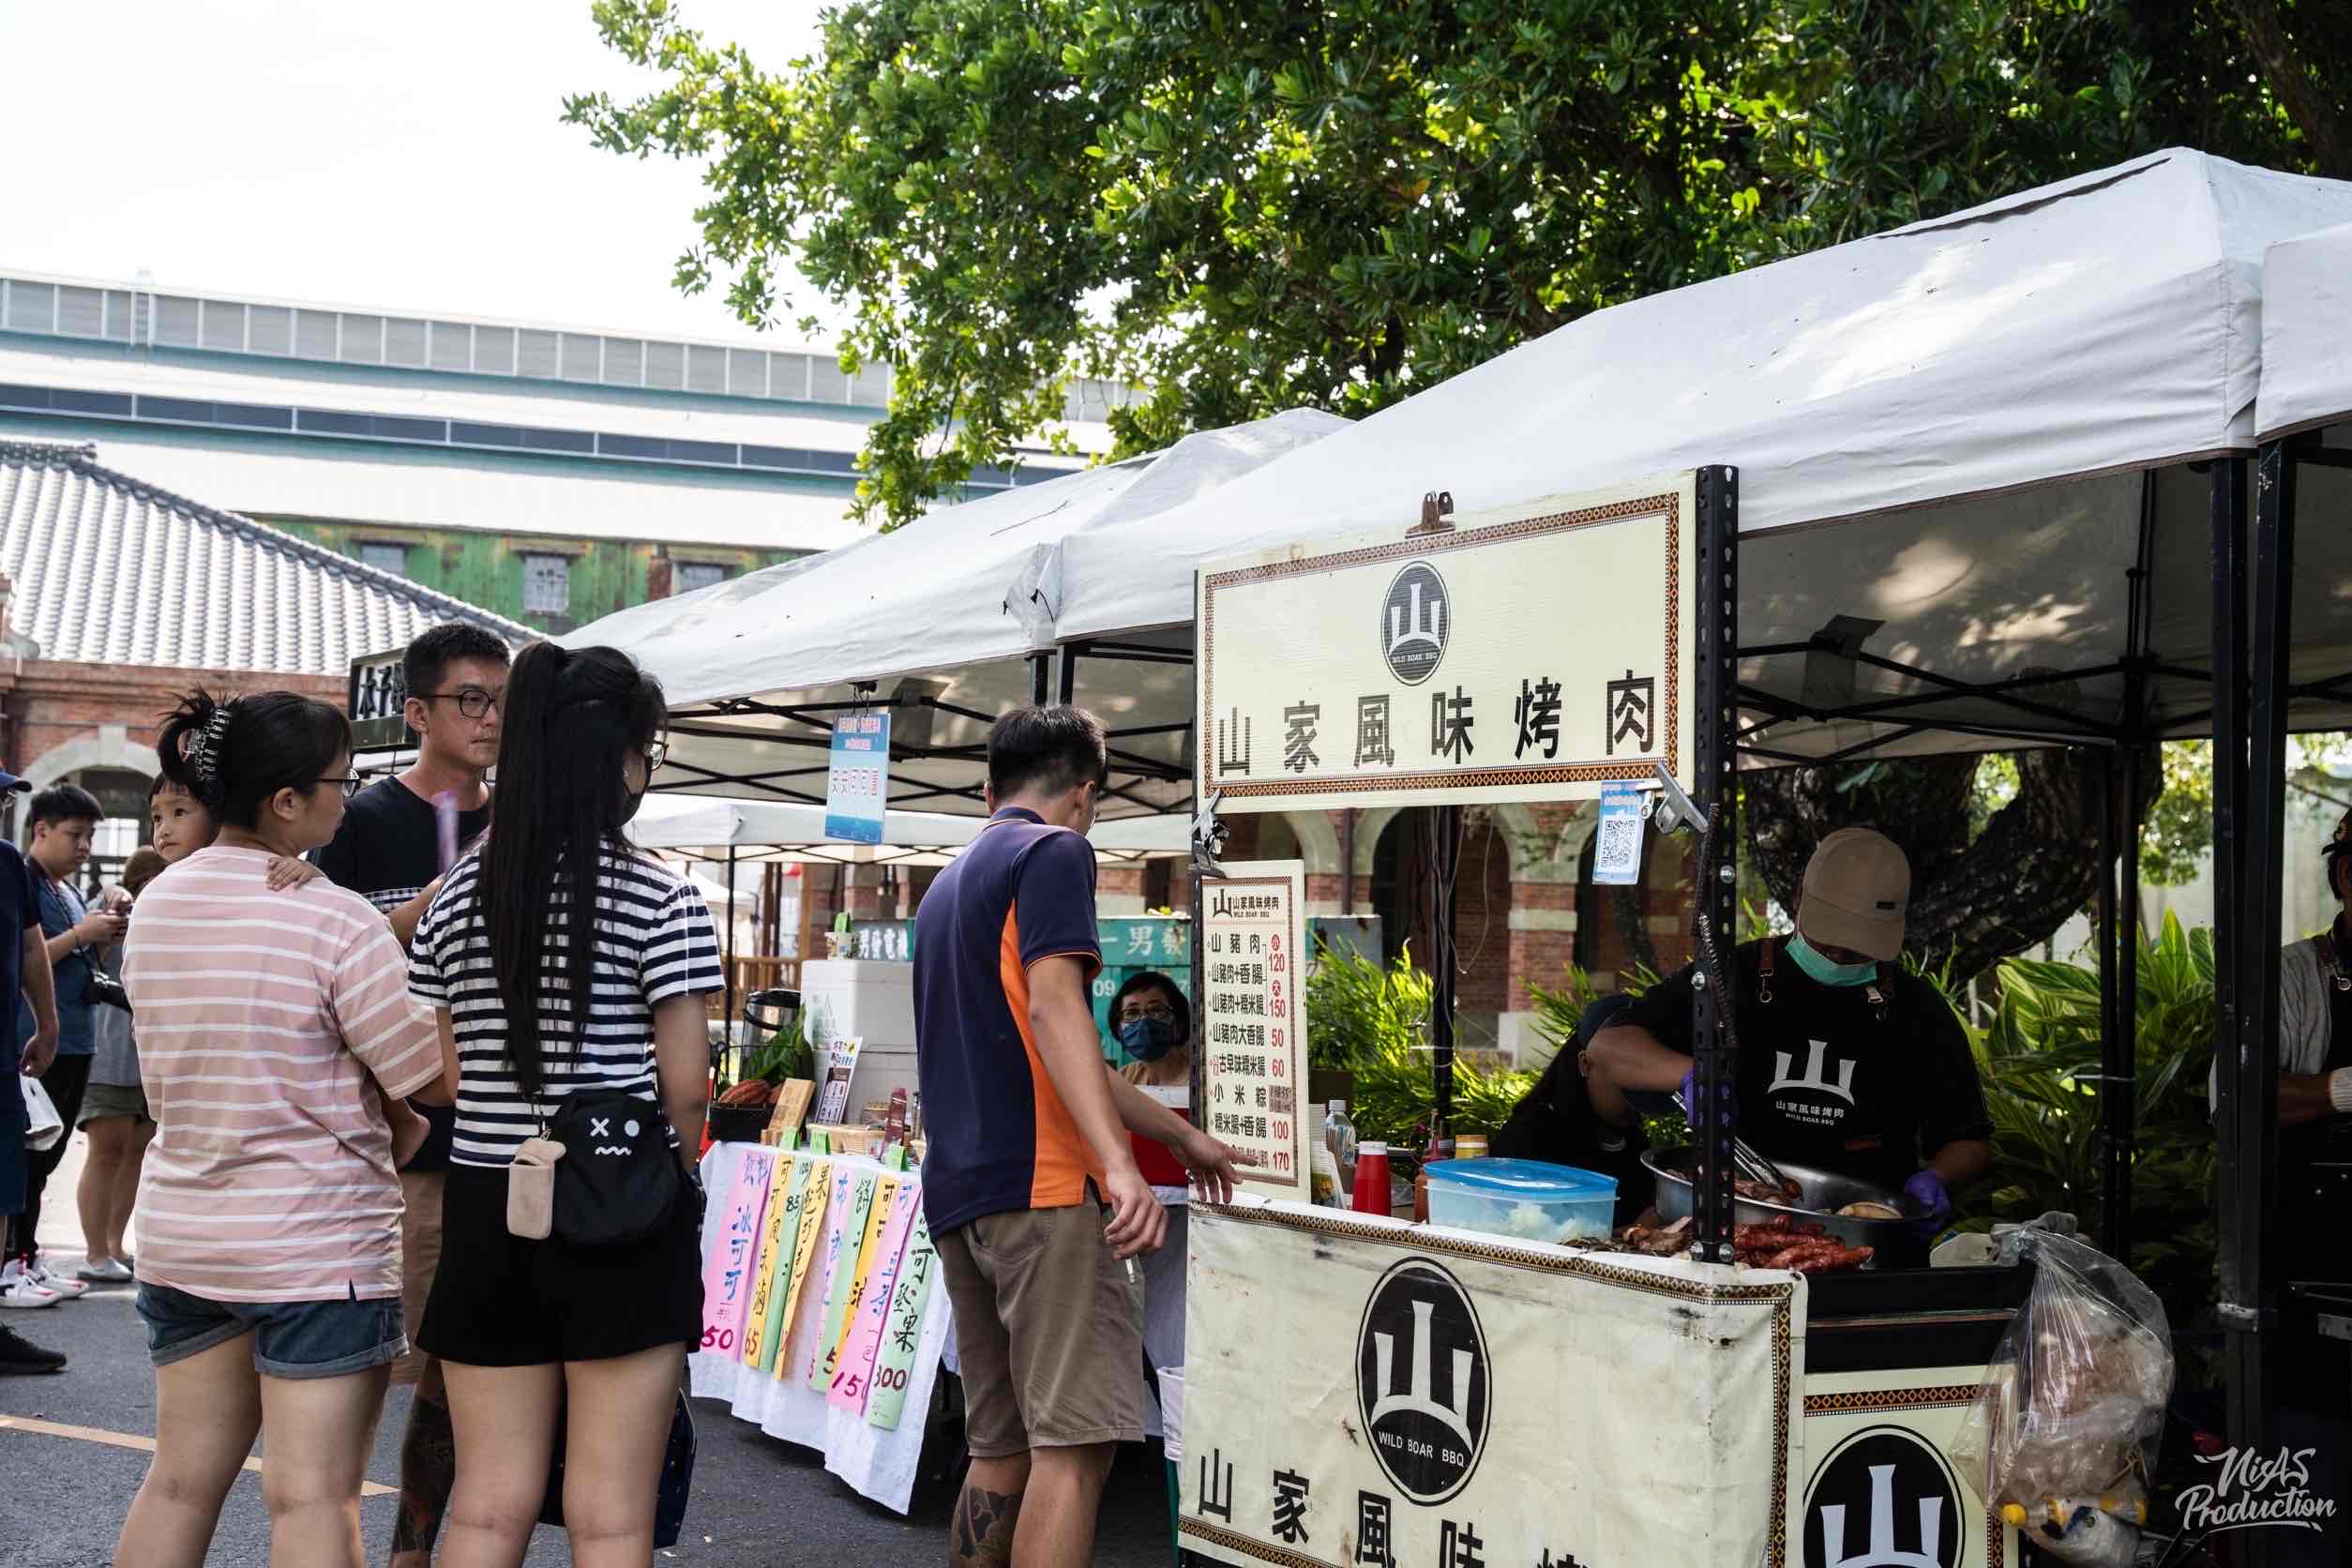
[[1972, 506], [1997, 409], [761, 831], [756, 668], [2306, 334]]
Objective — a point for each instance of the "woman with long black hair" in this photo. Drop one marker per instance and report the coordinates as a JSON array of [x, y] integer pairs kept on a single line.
[[570, 973]]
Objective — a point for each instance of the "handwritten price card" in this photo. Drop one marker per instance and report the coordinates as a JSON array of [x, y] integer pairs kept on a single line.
[[1255, 1075], [850, 1383], [763, 1329], [840, 1275], [727, 1283], [816, 1219], [893, 1363]]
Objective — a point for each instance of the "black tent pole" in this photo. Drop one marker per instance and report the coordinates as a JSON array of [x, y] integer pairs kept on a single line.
[[2239, 1176], [1714, 600], [2111, 1182], [1446, 859], [2121, 1092], [2262, 819]]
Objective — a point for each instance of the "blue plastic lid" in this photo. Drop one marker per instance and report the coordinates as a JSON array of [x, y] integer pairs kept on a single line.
[[1520, 1179]]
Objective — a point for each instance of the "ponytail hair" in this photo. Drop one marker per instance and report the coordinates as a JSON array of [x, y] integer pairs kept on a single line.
[[235, 753], [573, 718]]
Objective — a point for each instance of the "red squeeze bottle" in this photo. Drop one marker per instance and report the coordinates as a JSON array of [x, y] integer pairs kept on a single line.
[[1371, 1195]]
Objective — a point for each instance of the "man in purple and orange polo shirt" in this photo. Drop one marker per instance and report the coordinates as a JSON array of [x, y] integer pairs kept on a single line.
[[1028, 1181]]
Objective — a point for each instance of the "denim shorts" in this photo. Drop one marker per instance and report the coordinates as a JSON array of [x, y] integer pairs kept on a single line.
[[291, 1340]]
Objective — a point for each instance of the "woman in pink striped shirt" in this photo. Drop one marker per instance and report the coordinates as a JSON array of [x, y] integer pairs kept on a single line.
[[276, 1042]]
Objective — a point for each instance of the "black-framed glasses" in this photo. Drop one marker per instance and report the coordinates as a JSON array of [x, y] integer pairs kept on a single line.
[[655, 755], [473, 702], [349, 782]]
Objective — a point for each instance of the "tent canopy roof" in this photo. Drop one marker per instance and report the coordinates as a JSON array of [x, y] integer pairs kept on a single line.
[[784, 831], [1979, 439], [2306, 333]]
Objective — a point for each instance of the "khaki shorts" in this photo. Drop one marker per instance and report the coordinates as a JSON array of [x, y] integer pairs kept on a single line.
[[1050, 1330], [421, 1258]]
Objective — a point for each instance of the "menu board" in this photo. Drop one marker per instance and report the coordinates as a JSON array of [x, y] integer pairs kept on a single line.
[[1253, 1034]]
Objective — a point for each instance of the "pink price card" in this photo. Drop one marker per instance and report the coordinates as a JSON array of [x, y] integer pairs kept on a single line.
[[857, 1363], [734, 1249]]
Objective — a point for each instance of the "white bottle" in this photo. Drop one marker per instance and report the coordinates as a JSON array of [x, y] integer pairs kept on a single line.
[[1324, 1189], [1339, 1136]]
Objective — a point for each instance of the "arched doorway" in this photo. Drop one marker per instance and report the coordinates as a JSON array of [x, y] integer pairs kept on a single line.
[[122, 797]]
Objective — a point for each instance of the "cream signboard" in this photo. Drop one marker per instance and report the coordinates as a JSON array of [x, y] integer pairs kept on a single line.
[[1531, 654], [1359, 1391], [1253, 1034]]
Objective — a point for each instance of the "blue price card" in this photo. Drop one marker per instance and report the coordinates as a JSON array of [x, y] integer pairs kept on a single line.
[[857, 778], [1617, 851]]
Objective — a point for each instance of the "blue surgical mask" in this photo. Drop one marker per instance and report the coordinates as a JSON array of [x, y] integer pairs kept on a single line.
[[1825, 973], [1147, 1039]]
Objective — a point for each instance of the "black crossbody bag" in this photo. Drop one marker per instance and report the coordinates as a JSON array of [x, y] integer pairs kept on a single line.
[[617, 1180]]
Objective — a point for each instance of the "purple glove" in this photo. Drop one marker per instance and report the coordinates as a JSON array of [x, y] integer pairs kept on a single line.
[[1690, 1091], [1927, 1189]]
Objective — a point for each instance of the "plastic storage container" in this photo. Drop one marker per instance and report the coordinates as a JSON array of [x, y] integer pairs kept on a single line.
[[1526, 1200]]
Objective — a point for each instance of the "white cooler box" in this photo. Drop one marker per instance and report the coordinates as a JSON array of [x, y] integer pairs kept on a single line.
[[864, 999]]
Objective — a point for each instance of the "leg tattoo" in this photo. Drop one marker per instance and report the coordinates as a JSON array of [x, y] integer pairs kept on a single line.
[[984, 1525], [428, 1468]]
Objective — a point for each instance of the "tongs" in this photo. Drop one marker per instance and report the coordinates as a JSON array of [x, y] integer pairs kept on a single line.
[[1750, 1160]]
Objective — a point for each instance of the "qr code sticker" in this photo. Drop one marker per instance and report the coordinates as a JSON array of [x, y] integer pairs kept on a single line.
[[1617, 857]]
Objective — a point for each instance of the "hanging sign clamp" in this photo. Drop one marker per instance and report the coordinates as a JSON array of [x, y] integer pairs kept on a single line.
[[1674, 808], [1208, 839]]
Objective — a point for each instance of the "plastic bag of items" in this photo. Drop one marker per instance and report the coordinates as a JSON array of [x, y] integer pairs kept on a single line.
[[2062, 1437]]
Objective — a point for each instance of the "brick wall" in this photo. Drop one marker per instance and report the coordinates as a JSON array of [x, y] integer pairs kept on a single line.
[[52, 704]]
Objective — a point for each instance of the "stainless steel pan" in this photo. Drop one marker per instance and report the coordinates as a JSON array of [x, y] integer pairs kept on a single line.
[[1824, 1192]]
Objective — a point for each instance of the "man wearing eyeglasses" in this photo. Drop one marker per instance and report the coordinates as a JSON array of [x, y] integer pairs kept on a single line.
[[389, 850]]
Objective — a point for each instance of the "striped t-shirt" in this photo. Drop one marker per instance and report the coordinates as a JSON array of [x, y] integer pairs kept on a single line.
[[654, 940], [266, 1023]]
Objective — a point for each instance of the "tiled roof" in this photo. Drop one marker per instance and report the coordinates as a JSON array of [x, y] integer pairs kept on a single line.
[[107, 570]]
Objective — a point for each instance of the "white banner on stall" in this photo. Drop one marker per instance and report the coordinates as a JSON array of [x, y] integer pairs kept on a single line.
[[1532, 653], [1253, 1026], [1360, 1392], [1879, 1488]]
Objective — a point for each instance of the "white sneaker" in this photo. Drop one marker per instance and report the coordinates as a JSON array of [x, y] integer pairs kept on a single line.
[[23, 1294], [112, 1272], [67, 1290]]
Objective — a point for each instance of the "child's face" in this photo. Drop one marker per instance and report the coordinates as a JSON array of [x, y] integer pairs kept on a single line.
[[181, 826]]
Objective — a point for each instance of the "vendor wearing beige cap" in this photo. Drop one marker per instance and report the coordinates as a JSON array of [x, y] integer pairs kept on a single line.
[[1846, 1062]]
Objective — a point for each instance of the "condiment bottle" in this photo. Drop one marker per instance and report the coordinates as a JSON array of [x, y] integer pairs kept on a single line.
[[1371, 1196], [1440, 1148], [1339, 1134]]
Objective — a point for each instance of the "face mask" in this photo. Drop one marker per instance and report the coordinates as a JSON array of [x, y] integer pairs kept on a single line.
[[628, 809], [1825, 973], [1147, 1039]]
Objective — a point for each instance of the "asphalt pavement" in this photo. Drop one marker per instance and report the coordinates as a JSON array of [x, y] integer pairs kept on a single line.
[[71, 1458]]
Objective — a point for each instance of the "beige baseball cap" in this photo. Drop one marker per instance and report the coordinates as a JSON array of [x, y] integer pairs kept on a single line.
[[1857, 890]]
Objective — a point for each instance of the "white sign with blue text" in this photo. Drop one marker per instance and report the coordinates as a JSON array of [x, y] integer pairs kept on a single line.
[[857, 778]]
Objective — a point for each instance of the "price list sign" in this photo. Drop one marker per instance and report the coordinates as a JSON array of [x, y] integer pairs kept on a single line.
[[1253, 1039]]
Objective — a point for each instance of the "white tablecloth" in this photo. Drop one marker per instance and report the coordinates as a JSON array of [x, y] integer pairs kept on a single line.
[[878, 1464]]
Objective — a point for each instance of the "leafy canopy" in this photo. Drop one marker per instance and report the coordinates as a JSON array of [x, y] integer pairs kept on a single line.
[[1245, 205]]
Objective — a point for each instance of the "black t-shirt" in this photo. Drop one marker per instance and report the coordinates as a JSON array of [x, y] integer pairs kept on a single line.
[[386, 851], [1825, 1082]]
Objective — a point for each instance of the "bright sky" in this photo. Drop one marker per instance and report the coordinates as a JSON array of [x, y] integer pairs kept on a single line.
[[409, 157]]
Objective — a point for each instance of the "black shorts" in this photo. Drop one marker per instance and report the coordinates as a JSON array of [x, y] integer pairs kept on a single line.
[[501, 1300]]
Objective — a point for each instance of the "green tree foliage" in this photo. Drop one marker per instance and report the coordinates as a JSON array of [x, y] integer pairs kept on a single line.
[[1241, 207], [2041, 1061]]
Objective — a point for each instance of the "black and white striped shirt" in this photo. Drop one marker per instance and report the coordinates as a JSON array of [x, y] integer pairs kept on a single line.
[[653, 940]]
